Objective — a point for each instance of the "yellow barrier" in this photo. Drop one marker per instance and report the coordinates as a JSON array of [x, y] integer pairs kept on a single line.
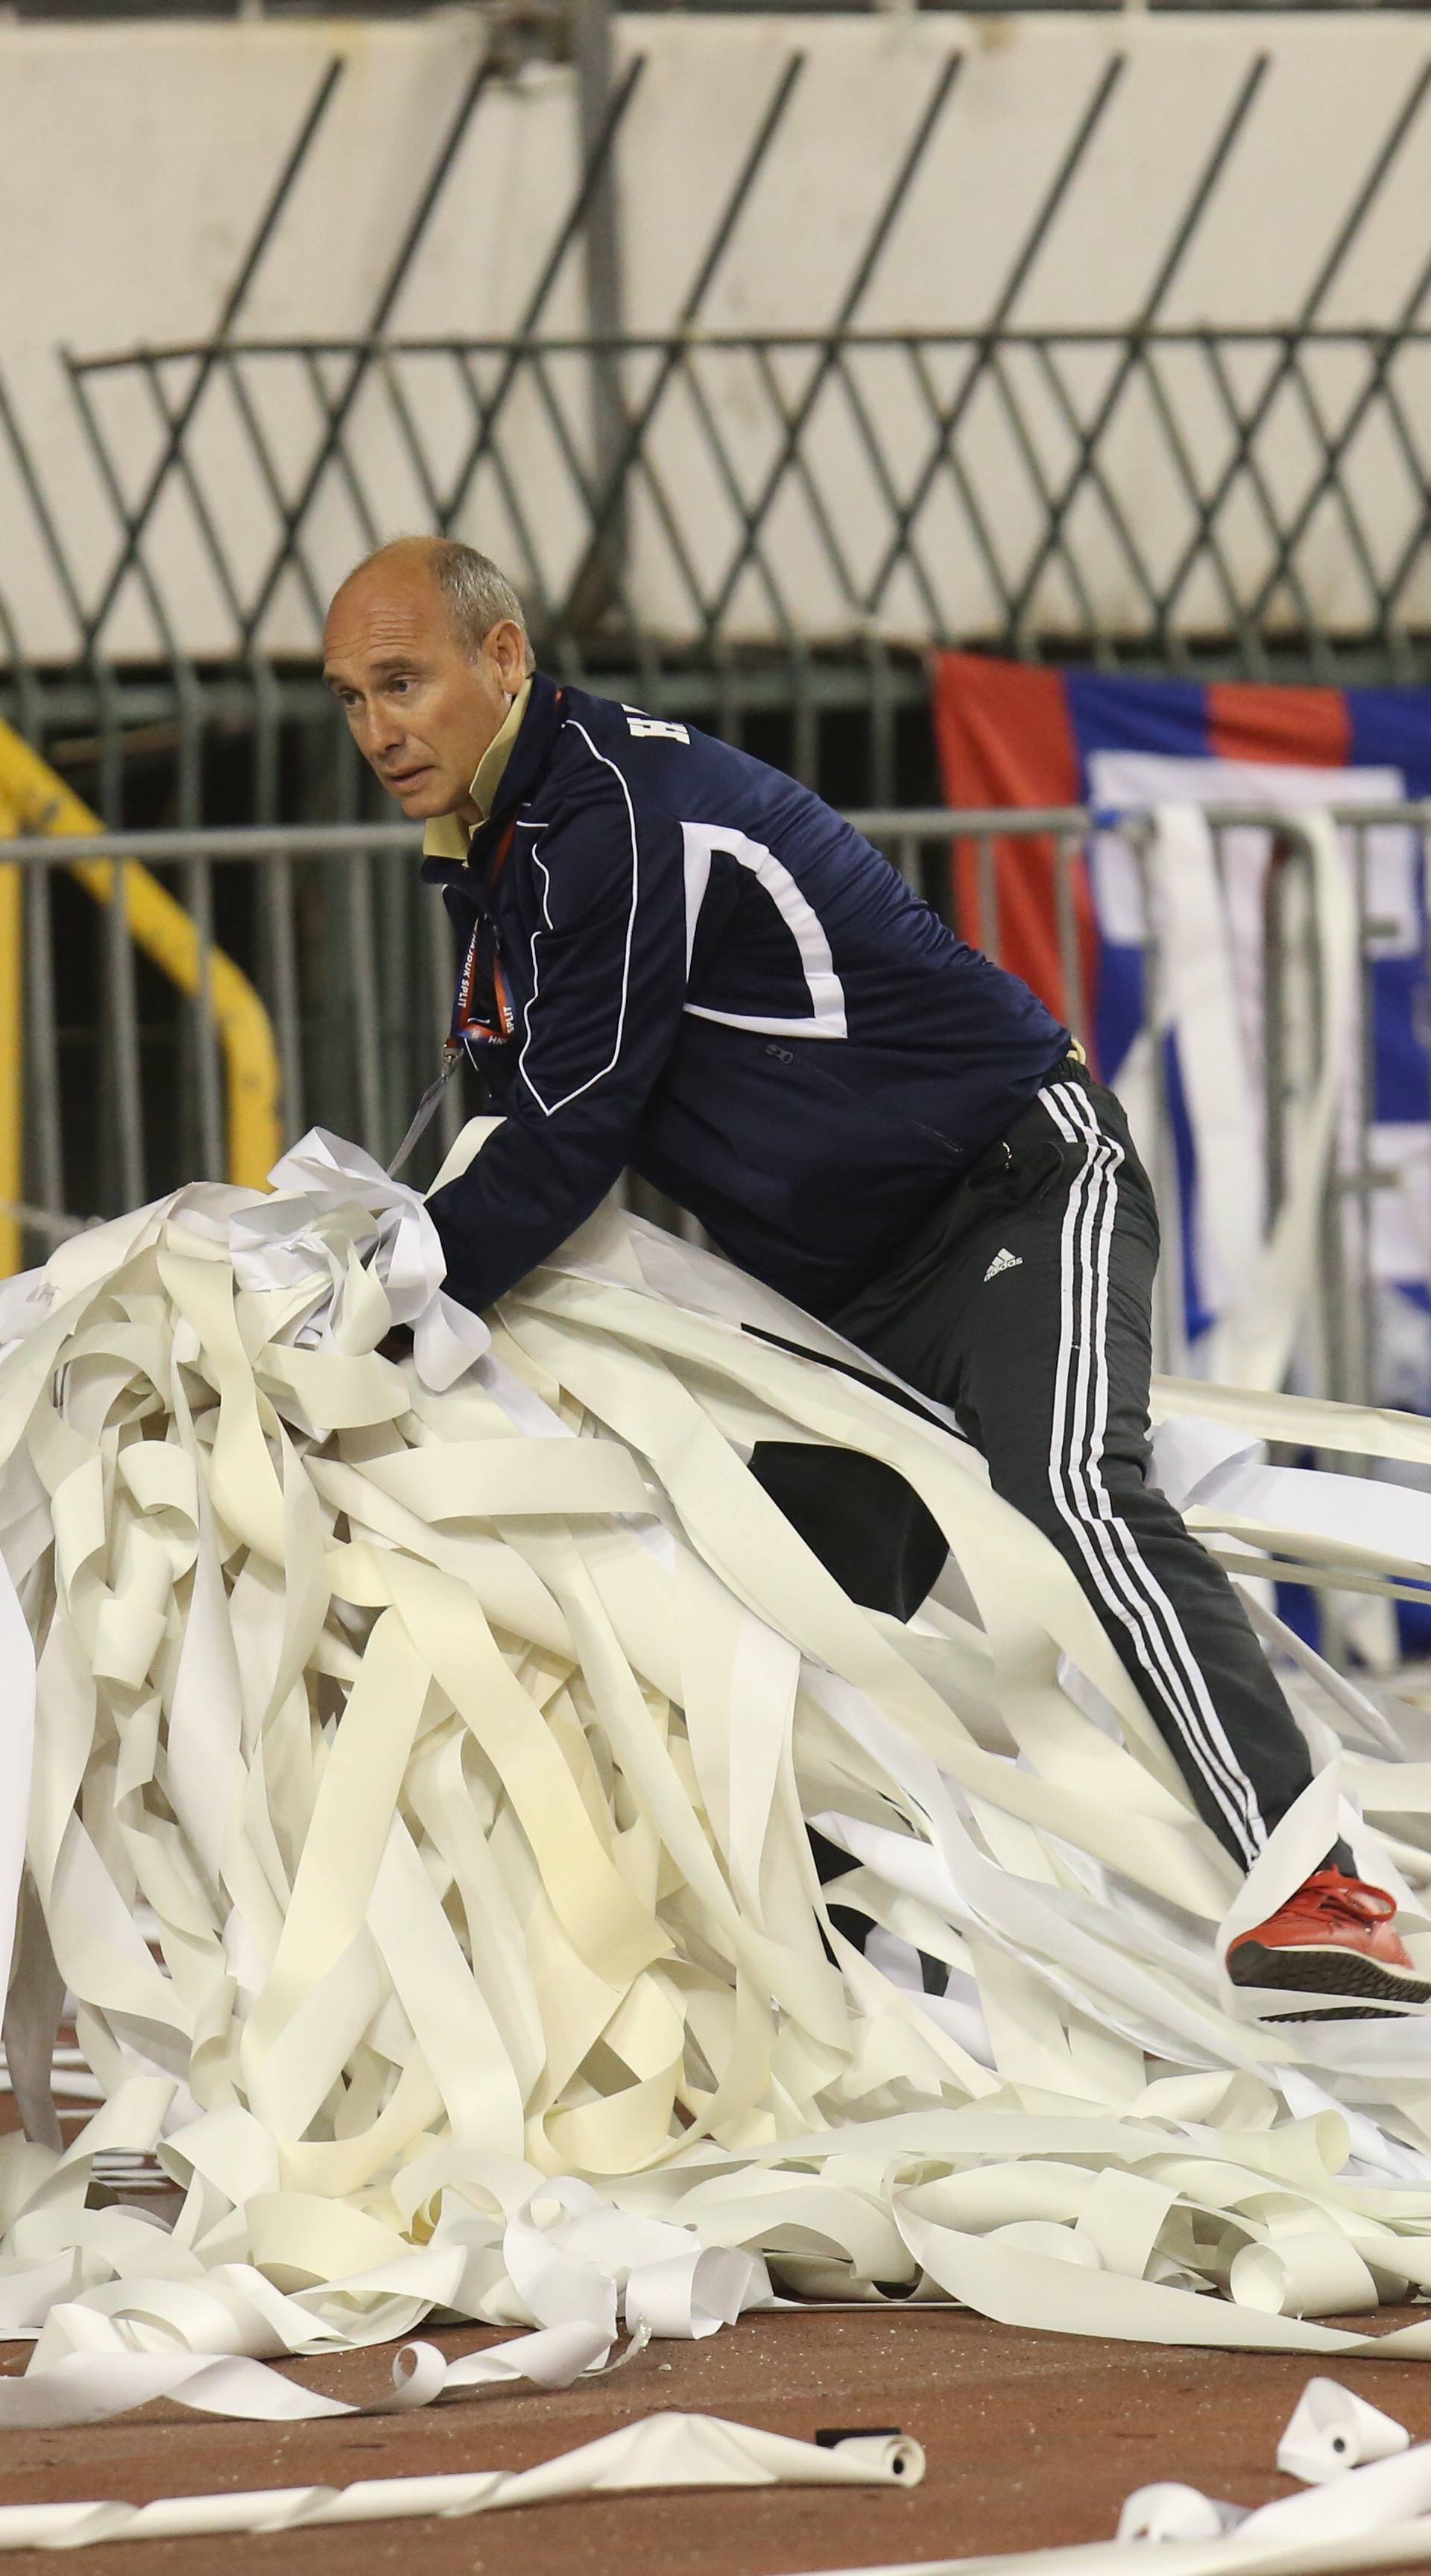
[[33, 799], [12, 1025]]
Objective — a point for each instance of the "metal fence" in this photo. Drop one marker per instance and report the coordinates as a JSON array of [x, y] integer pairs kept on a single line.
[[130, 1088], [767, 528], [791, 489]]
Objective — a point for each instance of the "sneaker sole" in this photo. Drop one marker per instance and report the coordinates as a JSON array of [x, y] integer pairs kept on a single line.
[[1339, 1974]]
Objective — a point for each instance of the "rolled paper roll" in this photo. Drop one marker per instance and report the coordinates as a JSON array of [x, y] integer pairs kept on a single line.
[[1333, 2430], [885, 2455]]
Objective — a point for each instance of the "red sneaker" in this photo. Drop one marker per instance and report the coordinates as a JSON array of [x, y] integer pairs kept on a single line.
[[1332, 1940]]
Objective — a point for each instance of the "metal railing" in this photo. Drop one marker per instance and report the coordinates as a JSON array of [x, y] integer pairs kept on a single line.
[[355, 963], [758, 523], [720, 488], [785, 490]]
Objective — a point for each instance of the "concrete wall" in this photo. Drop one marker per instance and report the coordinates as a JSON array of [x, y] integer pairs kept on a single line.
[[134, 162]]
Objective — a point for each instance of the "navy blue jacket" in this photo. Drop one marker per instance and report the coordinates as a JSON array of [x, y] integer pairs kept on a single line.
[[679, 960]]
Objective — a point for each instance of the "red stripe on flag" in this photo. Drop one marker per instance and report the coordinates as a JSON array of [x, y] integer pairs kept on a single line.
[[1296, 728], [1003, 736]]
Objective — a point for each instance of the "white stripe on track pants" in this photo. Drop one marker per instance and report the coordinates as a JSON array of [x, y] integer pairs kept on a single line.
[[1046, 1357]]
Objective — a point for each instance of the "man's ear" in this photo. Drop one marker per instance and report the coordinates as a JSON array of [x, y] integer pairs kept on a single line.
[[507, 646]]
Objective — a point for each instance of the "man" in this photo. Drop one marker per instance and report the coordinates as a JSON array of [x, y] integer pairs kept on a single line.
[[678, 960]]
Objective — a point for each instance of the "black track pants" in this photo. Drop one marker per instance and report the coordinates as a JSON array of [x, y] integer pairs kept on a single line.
[[1025, 1304]]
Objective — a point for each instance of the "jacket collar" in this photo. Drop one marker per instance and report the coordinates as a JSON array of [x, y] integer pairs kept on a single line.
[[508, 771]]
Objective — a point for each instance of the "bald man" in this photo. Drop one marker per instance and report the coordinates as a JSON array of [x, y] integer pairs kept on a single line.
[[678, 960]]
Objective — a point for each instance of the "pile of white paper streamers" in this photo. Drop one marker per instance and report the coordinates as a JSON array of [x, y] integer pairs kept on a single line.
[[459, 1716]]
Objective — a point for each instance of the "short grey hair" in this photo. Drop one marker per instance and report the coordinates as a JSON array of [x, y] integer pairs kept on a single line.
[[476, 590]]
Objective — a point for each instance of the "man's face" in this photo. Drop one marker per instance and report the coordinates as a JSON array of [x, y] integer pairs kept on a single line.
[[420, 708]]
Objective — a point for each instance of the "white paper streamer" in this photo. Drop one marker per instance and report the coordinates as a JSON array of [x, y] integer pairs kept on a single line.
[[1255, 1278], [459, 1733], [89, 2386], [659, 2451]]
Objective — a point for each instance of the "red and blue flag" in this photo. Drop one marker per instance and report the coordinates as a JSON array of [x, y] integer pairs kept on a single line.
[[1011, 734]]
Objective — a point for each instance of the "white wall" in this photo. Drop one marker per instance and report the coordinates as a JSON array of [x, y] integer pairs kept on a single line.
[[134, 161]]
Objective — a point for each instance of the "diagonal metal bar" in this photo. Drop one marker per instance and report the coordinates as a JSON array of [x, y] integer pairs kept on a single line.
[[151, 368], [879, 467], [329, 407], [686, 379], [247, 409], [1411, 455], [684, 376], [849, 305], [593, 172], [44, 517], [408, 431], [1306, 392], [689, 378], [1240, 623], [1113, 510], [1019, 272], [678, 367], [1378, 171], [109, 476], [268, 223], [1032, 462], [388, 294], [801, 475], [491, 454], [790, 75], [1260, 487], [954, 466], [568, 445], [1162, 284], [1385, 351], [606, 517]]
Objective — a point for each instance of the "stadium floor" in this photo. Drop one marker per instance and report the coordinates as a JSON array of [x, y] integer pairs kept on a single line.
[[1031, 2440]]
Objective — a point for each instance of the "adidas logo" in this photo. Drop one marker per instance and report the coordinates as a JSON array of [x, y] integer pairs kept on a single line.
[[1003, 1261]]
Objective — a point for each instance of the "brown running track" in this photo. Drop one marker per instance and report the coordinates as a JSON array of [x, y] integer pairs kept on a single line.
[[1031, 2440]]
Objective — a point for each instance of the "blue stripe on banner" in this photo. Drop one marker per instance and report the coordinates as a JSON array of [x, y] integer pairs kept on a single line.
[[1391, 729], [1197, 1313], [1402, 1078], [1111, 714]]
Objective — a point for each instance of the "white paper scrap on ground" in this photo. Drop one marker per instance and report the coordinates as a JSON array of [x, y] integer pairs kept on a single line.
[[1168, 2511], [658, 2451], [458, 1720]]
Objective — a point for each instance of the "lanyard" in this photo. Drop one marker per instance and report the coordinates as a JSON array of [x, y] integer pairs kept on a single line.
[[451, 1058], [467, 1028]]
